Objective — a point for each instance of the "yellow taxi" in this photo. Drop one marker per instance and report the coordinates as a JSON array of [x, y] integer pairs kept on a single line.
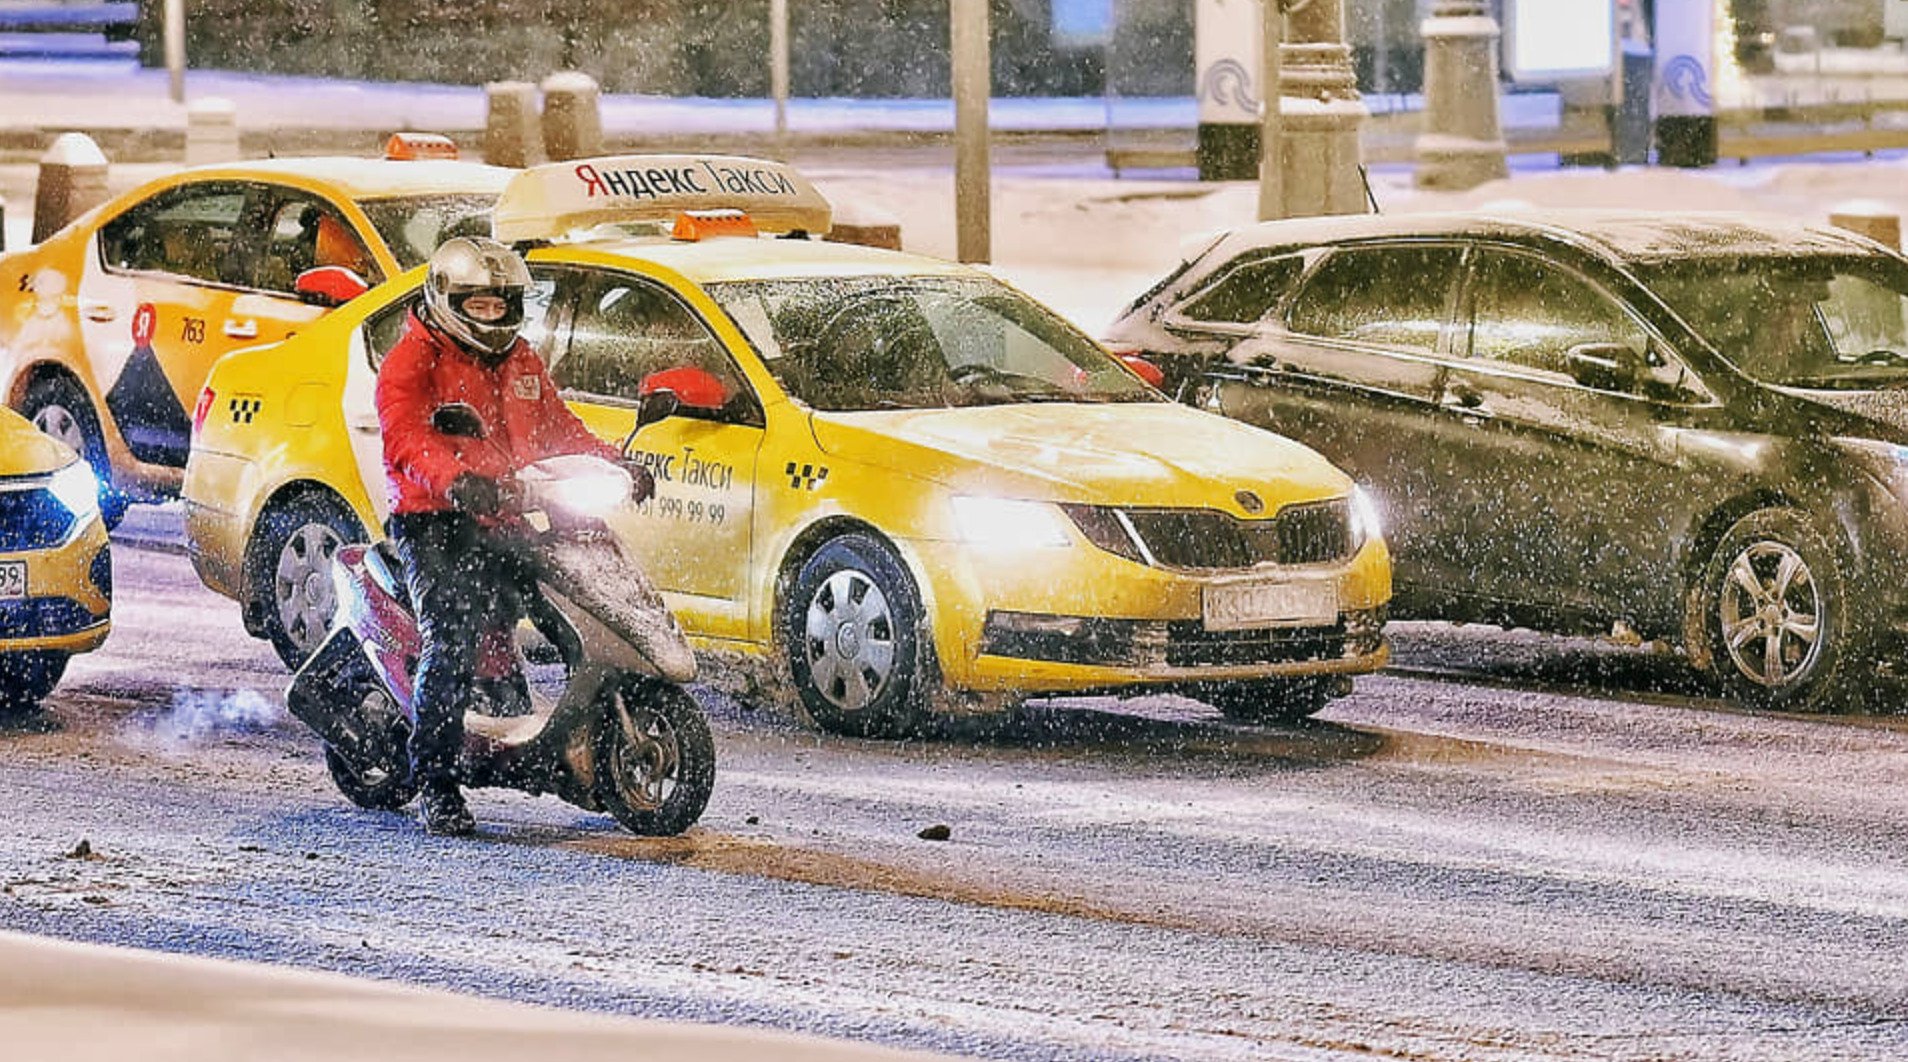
[[111, 323], [56, 574], [896, 481]]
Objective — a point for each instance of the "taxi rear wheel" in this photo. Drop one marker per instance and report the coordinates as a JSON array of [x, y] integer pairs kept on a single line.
[[289, 571], [59, 407], [855, 640], [26, 678], [1267, 700]]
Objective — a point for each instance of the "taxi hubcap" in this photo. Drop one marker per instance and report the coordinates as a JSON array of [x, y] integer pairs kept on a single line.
[[850, 641], [1771, 612], [302, 589], [59, 422]]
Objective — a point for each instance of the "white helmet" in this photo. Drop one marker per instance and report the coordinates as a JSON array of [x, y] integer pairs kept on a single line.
[[476, 265]]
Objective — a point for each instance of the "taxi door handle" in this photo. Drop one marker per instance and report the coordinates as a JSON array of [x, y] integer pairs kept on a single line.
[[241, 329], [95, 310]]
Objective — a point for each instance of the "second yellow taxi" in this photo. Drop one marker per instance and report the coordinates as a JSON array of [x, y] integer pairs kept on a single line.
[[899, 482]]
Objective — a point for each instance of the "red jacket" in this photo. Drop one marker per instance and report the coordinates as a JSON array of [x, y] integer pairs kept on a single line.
[[524, 418]]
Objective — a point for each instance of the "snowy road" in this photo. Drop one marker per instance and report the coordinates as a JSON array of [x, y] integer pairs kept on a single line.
[[1443, 867]]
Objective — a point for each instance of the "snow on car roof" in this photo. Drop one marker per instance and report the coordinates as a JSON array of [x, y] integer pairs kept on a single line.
[[373, 178], [1632, 235], [744, 258]]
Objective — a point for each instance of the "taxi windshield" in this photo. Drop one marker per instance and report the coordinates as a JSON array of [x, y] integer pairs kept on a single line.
[[1828, 322], [412, 226], [894, 342]]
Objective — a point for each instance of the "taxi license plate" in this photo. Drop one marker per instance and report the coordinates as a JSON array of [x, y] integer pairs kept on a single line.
[[1239, 606], [13, 583]]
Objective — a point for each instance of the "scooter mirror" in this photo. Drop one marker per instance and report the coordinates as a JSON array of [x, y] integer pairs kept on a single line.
[[459, 419]]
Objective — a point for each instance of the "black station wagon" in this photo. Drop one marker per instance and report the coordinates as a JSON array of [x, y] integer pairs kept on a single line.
[[1690, 427]]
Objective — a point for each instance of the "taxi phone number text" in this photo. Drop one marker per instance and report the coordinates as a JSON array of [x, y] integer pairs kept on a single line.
[[693, 512]]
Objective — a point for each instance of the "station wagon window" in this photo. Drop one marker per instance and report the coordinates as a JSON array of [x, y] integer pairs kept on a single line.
[[1392, 296], [1530, 313], [1245, 292], [303, 233], [189, 232], [625, 328]]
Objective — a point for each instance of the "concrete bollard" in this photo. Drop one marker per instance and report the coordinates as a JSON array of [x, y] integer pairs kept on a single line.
[[865, 225], [513, 132], [72, 181], [1866, 218], [1462, 145], [572, 117], [211, 131]]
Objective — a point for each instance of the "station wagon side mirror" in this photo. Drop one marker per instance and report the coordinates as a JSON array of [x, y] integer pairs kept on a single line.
[[457, 419], [1605, 366], [329, 286]]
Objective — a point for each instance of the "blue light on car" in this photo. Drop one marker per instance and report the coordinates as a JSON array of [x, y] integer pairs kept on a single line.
[[77, 488]]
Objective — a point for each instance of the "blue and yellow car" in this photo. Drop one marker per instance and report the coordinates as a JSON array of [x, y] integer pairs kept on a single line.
[[897, 482], [56, 573], [108, 327]]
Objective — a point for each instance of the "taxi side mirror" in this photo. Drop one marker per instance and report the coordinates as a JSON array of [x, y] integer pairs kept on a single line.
[[659, 404], [693, 387], [329, 286], [1605, 366], [1143, 369]]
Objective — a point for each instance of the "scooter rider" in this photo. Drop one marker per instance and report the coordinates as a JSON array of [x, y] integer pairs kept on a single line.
[[461, 344]]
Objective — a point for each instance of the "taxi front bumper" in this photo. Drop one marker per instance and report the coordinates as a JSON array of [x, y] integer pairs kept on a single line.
[[1079, 619], [68, 600]]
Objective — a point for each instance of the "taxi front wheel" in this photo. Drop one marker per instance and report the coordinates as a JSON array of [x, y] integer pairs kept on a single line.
[[59, 407], [26, 678], [289, 571], [855, 641]]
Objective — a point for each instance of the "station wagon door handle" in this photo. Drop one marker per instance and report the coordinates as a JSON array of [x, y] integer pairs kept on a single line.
[[241, 329], [94, 310]]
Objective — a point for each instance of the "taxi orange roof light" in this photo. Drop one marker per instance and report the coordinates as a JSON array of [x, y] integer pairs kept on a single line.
[[693, 225], [412, 147]]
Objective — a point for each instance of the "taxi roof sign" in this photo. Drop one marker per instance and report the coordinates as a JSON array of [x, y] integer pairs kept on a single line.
[[550, 201]]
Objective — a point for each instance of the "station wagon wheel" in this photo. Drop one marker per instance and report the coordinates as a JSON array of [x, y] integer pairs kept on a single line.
[[58, 406], [289, 571], [852, 624], [1778, 629]]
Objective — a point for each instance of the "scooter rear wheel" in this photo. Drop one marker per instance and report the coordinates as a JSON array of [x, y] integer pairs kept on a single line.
[[655, 758]]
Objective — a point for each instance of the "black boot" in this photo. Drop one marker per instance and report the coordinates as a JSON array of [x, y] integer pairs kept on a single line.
[[445, 811]]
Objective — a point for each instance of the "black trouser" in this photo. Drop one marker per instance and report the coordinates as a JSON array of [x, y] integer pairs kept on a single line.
[[462, 584]]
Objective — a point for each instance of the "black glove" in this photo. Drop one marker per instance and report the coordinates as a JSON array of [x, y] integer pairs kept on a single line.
[[642, 482], [475, 494]]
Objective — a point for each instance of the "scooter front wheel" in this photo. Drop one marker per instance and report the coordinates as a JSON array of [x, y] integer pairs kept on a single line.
[[655, 758], [382, 782]]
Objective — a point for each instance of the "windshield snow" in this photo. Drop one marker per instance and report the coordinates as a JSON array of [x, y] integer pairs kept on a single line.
[[888, 342], [1819, 321], [413, 226]]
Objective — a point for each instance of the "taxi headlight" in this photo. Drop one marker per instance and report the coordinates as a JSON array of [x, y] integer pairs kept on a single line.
[[77, 488], [1365, 522], [1009, 522]]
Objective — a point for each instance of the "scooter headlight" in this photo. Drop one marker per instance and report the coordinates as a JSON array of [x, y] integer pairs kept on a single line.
[[597, 494], [77, 488]]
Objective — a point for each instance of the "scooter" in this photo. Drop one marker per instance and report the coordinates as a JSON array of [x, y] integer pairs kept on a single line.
[[623, 736]]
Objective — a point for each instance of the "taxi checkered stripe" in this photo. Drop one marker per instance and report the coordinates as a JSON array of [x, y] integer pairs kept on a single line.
[[244, 409], [805, 477]]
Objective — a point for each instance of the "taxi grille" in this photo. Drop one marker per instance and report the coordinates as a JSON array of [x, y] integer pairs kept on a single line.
[[1189, 644], [43, 617], [1209, 540], [31, 519]]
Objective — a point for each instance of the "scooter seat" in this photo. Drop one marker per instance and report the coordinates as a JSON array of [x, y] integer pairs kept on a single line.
[[386, 569], [508, 730]]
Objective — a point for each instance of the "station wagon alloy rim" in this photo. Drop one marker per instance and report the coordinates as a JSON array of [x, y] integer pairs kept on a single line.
[[850, 641], [1771, 613], [302, 590]]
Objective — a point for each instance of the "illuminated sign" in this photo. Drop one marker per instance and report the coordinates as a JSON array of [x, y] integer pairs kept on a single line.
[[1559, 40]]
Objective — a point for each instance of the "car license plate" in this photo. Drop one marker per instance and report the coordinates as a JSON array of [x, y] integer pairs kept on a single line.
[[1301, 603], [13, 585]]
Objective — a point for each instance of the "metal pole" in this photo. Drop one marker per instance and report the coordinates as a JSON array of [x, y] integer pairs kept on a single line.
[[1271, 153], [778, 67], [175, 48], [973, 86]]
